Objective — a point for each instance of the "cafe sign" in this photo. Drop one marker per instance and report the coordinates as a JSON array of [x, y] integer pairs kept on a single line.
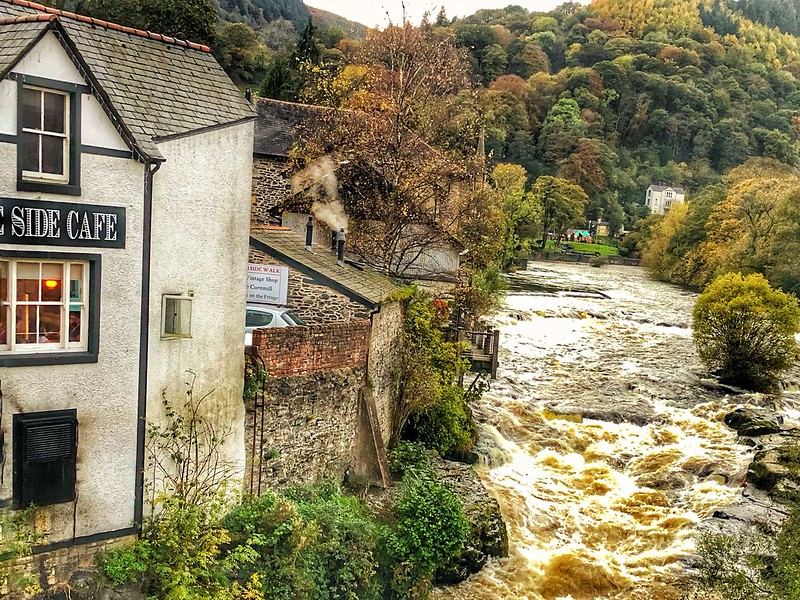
[[39, 222], [267, 284]]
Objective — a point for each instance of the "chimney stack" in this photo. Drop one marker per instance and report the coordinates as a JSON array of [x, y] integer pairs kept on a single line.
[[309, 232], [340, 247]]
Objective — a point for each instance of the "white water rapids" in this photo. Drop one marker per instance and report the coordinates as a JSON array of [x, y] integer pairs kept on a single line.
[[598, 439]]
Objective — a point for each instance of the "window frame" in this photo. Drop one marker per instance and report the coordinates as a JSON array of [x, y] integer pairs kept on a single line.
[[182, 297], [48, 354], [69, 184]]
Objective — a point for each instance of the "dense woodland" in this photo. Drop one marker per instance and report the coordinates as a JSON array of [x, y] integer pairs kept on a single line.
[[609, 97]]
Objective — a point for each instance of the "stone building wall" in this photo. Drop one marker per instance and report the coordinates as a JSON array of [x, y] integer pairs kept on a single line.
[[271, 185], [313, 302]]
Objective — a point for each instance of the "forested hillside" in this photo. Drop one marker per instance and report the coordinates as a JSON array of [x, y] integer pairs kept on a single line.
[[610, 96]]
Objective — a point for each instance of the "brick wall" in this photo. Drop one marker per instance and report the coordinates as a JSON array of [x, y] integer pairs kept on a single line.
[[289, 351], [313, 302], [271, 185]]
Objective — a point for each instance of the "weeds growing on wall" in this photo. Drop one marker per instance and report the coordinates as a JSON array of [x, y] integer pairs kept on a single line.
[[18, 536]]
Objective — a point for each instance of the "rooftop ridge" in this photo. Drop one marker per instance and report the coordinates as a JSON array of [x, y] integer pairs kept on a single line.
[[106, 24], [26, 19]]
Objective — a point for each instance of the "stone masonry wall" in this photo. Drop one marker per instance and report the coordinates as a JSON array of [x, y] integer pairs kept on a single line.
[[304, 431], [307, 430], [53, 568], [313, 302], [271, 185], [387, 325]]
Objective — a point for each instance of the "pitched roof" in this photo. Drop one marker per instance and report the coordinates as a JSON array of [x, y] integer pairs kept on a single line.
[[661, 188], [363, 285], [276, 123], [16, 38], [159, 86]]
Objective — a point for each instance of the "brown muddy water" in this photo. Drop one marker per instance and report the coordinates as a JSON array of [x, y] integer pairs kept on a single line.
[[599, 439]]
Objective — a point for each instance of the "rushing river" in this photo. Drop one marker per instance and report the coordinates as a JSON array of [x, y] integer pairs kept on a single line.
[[599, 439]]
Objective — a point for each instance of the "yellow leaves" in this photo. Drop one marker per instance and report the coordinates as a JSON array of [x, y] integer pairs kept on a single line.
[[656, 257]]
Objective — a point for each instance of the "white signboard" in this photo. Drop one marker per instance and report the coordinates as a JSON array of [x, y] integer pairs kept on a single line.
[[267, 284]]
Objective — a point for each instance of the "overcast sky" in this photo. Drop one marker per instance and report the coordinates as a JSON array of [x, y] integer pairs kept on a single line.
[[373, 12]]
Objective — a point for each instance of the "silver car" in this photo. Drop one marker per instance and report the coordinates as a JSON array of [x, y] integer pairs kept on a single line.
[[262, 315]]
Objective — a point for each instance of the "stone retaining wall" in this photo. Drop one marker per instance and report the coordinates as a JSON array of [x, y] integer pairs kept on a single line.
[[53, 568]]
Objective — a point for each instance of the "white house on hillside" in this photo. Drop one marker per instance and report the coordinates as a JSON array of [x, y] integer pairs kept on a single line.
[[125, 170], [660, 198]]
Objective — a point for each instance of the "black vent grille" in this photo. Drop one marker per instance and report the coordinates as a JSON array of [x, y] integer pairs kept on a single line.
[[45, 457], [44, 443]]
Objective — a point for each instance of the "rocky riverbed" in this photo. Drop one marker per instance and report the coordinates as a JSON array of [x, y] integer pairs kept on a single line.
[[606, 443]]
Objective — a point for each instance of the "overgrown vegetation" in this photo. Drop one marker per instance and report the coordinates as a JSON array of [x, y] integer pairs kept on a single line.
[[745, 330], [742, 567], [431, 407], [18, 536], [307, 543]]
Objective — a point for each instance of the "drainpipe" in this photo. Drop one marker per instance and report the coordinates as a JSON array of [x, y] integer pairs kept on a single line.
[[150, 168], [309, 232], [340, 237]]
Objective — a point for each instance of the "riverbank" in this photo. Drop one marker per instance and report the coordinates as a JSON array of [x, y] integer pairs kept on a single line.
[[602, 439]]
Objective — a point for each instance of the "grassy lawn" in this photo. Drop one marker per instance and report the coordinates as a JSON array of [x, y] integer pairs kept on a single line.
[[603, 249]]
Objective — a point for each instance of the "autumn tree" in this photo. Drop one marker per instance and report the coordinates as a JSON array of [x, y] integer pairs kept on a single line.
[[402, 194], [745, 330], [562, 203]]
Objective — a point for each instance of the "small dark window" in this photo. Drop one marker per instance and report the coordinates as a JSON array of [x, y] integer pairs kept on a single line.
[[45, 454]]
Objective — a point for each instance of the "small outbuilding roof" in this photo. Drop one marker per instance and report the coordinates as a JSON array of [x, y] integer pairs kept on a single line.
[[153, 86], [363, 285]]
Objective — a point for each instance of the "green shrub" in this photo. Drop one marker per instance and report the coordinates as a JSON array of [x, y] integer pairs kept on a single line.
[[407, 457], [447, 425], [311, 543], [268, 536], [744, 330], [342, 560], [431, 529], [598, 261], [126, 565]]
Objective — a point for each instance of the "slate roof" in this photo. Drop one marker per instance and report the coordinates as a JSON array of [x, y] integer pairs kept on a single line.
[[276, 124], [16, 37], [661, 188], [363, 285], [159, 86]]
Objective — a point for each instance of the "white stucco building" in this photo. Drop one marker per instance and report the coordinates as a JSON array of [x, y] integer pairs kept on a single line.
[[125, 176], [659, 198]]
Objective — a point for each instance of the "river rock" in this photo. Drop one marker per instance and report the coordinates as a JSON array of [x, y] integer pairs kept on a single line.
[[623, 409], [776, 470], [749, 423], [487, 531]]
